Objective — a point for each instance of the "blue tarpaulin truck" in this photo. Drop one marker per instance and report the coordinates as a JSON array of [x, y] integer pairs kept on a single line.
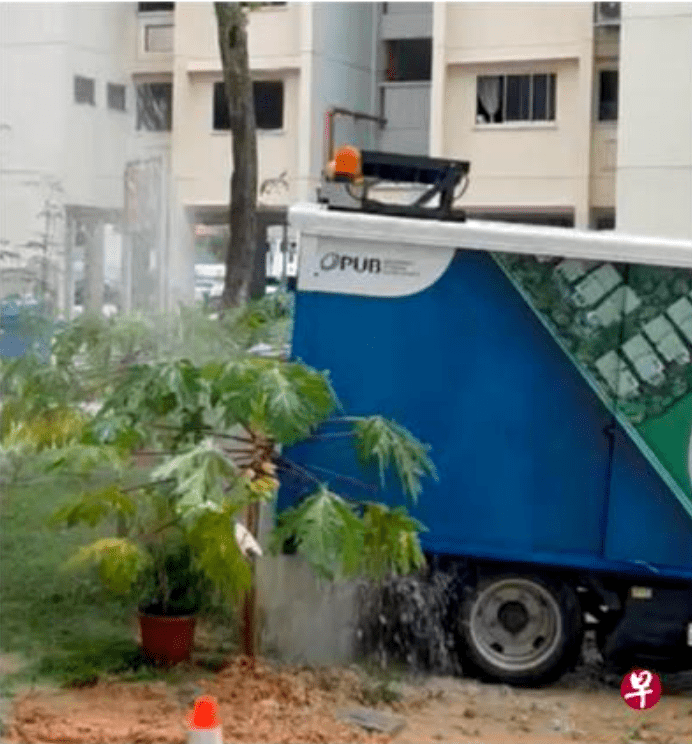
[[550, 370]]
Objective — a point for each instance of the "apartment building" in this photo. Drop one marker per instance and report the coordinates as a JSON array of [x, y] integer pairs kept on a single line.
[[117, 111], [65, 129]]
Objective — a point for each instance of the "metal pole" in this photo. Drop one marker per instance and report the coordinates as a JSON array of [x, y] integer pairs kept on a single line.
[[335, 111], [284, 257], [163, 238], [70, 230]]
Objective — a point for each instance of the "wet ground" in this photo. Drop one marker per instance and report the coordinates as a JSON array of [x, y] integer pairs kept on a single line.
[[268, 704]]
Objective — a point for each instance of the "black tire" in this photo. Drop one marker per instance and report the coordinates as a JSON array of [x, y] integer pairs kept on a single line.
[[520, 629]]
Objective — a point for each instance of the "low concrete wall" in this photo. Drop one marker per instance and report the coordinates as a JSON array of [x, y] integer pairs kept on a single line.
[[304, 620]]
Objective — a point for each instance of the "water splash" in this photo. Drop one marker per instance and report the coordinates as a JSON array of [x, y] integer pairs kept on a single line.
[[410, 621]]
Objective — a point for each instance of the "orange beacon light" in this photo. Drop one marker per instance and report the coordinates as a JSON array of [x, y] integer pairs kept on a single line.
[[347, 164]]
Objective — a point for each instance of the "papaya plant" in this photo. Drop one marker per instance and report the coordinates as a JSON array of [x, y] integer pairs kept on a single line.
[[216, 431], [207, 437]]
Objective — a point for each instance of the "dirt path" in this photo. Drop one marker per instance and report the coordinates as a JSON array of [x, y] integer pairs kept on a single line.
[[271, 705], [468, 712]]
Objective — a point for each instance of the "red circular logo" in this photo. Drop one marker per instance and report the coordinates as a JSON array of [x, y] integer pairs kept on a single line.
[[641, 689]]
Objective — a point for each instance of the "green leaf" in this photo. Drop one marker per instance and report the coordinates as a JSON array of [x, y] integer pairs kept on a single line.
[[212, 538], [337, 542], [82, 459], [204, 455], [285, 401], [327, 532], [387, 443], [92, 507], [390, 541], [200, 474], [119, 562], [211, 371]]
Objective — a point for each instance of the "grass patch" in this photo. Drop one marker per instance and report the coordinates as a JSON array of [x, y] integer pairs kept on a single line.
[[66, 627], [47, 613], [83, 664]]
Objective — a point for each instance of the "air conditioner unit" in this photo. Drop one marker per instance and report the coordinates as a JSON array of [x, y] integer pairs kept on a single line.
[[608, 14]]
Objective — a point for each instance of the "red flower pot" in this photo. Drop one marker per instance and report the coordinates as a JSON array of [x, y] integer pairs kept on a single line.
[[167, 640]]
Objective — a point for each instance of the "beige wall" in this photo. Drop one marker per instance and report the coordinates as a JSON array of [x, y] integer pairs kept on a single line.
[[202, 159], [517, 165], [514, 165], [479, 32], [274, 36]]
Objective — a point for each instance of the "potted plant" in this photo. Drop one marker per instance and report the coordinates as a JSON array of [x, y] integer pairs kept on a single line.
[[171, 561], [214, 434]]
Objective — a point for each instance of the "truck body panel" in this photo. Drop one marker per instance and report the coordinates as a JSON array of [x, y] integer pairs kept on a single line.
[[495, 358]]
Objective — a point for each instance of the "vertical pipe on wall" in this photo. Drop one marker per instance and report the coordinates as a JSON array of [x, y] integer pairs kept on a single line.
[[582, 152], [437, 86], [374, 80]]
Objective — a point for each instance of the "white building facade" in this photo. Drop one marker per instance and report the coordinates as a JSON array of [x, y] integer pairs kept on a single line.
[[654, 160], [112, 116]]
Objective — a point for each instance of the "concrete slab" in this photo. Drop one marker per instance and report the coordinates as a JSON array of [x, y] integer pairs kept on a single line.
[[372, 720]]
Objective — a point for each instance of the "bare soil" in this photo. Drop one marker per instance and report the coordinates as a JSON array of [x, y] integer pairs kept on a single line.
[[268, 704], [468, 712]]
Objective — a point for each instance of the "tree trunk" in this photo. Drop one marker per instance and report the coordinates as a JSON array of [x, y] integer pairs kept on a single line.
[[232, 28], [248, 629]]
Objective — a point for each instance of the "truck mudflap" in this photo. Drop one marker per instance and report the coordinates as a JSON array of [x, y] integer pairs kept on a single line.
[[654, 630]]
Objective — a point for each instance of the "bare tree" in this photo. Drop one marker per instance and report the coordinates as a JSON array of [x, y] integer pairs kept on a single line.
[[233, 46], [232, 21]]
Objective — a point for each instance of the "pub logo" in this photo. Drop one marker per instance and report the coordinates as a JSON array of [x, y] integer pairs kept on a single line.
[[342, 262]]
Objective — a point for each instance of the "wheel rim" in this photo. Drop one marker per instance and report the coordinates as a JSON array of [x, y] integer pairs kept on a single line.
[[515, 624]]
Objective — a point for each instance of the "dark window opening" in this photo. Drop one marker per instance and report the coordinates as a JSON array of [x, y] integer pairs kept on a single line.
[[269, 105], [502, 98], [155, 7], [116, 97], [408, 59], [518, 95], [155, 107], [605, 222], [608, 95], [84, 90]]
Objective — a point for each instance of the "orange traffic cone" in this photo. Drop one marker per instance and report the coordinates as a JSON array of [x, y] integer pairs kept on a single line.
[[203, 722]]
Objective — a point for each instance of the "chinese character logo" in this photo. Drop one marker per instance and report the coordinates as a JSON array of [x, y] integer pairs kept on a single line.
[[641, 689]]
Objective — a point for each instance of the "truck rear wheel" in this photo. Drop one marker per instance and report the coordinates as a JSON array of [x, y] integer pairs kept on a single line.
[[521, 629]]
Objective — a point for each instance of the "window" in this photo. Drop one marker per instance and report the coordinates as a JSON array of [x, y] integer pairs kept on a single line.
[[158, 38], [84, 90], [605, 222], [408, 59], [155, 7], [116, 97], [255, 6], [154, 107], [269, 105], [505, 98], [608, 95]]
